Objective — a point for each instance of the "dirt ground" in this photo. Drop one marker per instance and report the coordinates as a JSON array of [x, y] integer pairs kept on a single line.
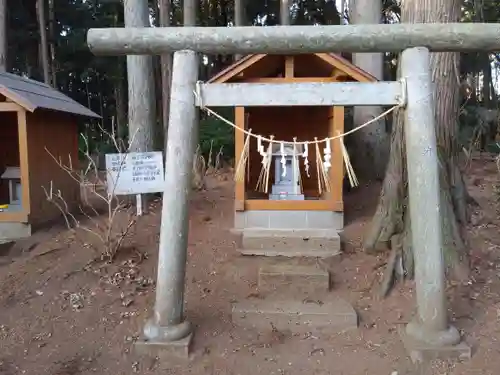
[[59, 317]]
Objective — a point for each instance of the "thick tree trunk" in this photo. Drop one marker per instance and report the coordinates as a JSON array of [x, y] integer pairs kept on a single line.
[[239, 12], [189, 19], [487, 77], [52, 43], [141, 101], [166, 69], [390, 226], [121, 104], [372, 142], [3, 35], [189, 13], [285, 12], [44, 55], [239, 18], [120, 88]]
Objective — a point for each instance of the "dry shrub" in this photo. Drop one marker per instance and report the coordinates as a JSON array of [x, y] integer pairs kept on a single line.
[[103, 212], [203, 168]]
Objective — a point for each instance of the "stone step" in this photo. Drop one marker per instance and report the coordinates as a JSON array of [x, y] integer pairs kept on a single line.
[[333, 315], [300, 242], [288, 278], [290, 253]]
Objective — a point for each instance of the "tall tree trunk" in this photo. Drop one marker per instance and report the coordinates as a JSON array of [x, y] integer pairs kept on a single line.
[[239, 12], [285, 12], [343, 7], [28, 65], [486, 80], [239, 18], [189, 19], [121, 104], [166, 69], [120, 88], [371, 142], [189, 13], [52, 43], [391, 223], [141, 88], [141, 100], [44, 55], [3, 35]]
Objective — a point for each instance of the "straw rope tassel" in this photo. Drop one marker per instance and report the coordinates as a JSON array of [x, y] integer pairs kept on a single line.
[[319, 166], [260, 149], [239, 174], [326, 164], [323, 180], [353, 180], [269, 160], [297, 165], [262, 182]]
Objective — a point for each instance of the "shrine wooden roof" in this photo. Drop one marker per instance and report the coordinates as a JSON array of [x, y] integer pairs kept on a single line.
[[265, 65], [31, 95]]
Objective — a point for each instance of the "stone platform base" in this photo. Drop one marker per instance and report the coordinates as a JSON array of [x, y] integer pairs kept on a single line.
[[290, 242], [284, 278], [421, 352], [165, 349], [276, 219], [334, 315]]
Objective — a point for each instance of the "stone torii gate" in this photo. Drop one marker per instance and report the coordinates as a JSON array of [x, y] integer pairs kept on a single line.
[[430, 331]]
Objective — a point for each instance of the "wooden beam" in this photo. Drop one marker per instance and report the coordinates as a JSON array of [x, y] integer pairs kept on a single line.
[[289, 80], [22, 126], [239, 141], [347, 68], [18, 99], [236, 69], [337, 74], [9, 107], [284, 205], [337, 169], [438, 37], [289, 67], [300, 94]]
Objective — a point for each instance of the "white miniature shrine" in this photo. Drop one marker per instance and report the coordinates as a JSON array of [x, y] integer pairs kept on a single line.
[[286, 173], [13, 176]]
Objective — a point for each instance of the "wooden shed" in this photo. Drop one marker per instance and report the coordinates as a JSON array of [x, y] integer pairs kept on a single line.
[[34, 118], [316, 210]]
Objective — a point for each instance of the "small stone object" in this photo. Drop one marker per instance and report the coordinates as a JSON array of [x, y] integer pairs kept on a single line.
[[135, 367], [127, 302], [76, 301]]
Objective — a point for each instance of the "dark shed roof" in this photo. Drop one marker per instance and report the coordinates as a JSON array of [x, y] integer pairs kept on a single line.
[[31, 95]]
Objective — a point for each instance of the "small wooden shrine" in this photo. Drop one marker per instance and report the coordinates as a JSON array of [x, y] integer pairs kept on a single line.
[[35, 119], [298, 180]]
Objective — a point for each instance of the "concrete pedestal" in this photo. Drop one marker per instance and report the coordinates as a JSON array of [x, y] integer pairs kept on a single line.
[[174, 340], [421, 351], [165, 349]]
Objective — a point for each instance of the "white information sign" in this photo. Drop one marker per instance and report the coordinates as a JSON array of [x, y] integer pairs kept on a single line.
[[135, 173]]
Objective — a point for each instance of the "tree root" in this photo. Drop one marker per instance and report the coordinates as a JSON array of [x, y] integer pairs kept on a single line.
[[454, 248], [391, 226], [388, 218], [390, 268]]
